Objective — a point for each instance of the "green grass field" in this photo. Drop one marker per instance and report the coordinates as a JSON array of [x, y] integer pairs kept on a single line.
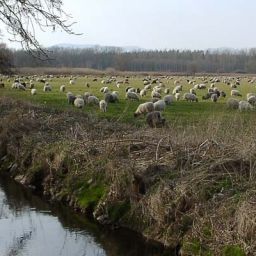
[[180, 111]]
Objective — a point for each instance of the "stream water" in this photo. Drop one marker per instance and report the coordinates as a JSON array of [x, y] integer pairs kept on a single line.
[[31, 226]]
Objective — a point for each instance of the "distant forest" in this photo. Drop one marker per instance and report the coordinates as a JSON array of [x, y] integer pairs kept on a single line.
[[184, 61]]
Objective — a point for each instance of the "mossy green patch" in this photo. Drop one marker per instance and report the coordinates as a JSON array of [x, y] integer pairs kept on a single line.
[[233, 250], [89, 196], [194, 247]]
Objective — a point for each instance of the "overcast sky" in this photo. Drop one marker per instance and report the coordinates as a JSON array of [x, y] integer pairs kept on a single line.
[[160, 24]]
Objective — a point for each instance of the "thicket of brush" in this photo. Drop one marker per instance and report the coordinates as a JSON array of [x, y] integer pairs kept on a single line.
[[189, 186]]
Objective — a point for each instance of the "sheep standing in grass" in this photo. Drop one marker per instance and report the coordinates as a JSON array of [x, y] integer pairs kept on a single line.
[[168, 99], [190, 97], [177, 96], [235, 93], [62, 88], [177, 89], [144, 108], [33, 91], [214, 97], [143, 92], [159, 105], [154, 119], [104, 89], [115, 96], [103, 105], [92, 100], [155, 94], [232, 103], [132, 96], [47, 88], [79, 102], [71, 98], [244, 105], [72, 81], [252, 100]]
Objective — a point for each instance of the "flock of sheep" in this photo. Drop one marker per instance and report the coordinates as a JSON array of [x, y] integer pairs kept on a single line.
[[163, 91]]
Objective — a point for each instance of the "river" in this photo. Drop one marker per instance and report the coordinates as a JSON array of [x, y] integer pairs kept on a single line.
[[31, 226]]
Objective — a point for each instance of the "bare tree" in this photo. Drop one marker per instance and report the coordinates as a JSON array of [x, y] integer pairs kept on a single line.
[[23, 17]]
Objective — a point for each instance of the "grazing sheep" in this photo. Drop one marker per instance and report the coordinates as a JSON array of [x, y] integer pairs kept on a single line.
[[168, 99], [155, 120], [62, 88], [232, 103], [103, 105], [252, 100], [190, 97], [115, 96], [33, 91], [193, 91], [143, 92], [71, 98], [79, 102], [92, 100], [202, 86], [244, 105], [131, 90], [177, 89], [159, 105], [148, 87], [104, 89], [177, 95], [47, 88], [144, 108], [235, 93], [167, 91], [71, 81], [155, 95], [207, 96], [248, 95], [214, 97], [132, 96]]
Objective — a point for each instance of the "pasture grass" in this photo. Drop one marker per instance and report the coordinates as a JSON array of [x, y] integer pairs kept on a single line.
[[179, 112]]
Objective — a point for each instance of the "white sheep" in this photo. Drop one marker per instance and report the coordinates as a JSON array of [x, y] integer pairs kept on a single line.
[[62, 88], [115, 96], [144, 108], [167, 91], [47, 87], [177, 95], [104, 89], [190, 97], [168, 99], [33, 91], [143, 92], [147, 87], [159, 105], [214, 97], [155, 95], [232, 103], [252, 100], [244, 105], [235, 93], [248, 95], [131, 90], [92, 100], [202, 86], [103, 105], [193, 91], [72, 81], [132, 96], [79, 102], [177, 89]]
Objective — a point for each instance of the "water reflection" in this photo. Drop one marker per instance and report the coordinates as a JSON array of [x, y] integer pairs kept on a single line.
[[30, 226]]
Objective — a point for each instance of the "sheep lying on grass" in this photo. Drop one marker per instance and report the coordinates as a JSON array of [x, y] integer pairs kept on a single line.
[[103, 105], [155, 120], [144, 108]]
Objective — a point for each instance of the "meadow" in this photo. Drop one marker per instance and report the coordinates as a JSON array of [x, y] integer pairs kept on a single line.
[[180, 112]]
